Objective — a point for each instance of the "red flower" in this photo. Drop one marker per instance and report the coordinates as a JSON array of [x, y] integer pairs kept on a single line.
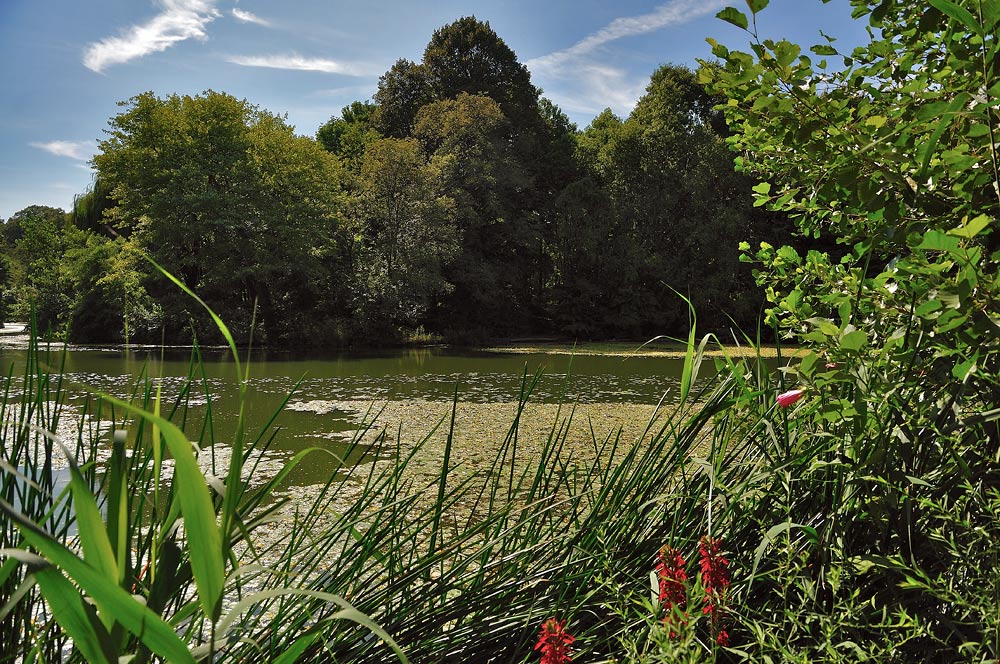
[[673, 585], [786, 399], [554, 642], [715, 581]]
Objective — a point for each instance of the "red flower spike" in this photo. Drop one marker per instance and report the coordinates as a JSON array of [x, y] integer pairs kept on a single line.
[[554, 642], [715, 581], [673, 586]]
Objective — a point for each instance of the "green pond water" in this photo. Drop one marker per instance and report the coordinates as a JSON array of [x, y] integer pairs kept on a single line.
[[425, 374]]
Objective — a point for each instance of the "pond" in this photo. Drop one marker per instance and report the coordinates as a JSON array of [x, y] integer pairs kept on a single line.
[[410, 390]]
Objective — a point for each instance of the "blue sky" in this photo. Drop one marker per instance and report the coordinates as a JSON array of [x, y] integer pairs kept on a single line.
[[65, 64]]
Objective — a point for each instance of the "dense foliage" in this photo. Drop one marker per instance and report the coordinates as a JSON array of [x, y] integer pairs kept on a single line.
[[459, 201], [853, 517], [881, 520]]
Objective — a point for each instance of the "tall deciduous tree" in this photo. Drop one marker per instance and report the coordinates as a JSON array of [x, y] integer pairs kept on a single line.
[[39, 236], [409, 235], [502, 271], [228, 198], [674, 211], [401, 92]]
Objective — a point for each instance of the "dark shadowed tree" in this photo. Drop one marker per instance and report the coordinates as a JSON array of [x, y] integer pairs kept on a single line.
[[505, 202], [401, 92], [676, 213]]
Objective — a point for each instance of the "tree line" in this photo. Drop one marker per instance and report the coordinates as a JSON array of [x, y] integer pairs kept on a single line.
[[457, 202]]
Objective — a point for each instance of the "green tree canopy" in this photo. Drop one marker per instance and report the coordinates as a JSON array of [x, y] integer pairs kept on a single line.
[[409, 235], [350, 133], [229, 199]]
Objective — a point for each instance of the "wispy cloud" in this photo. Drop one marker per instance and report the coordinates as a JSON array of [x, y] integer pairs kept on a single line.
[[597, 87], [180, 20], [248, 17], [78, 150], [581, 80], [300, 63], [672, 13]]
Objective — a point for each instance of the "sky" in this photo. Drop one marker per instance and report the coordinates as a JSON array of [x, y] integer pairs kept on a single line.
[[66, 65]]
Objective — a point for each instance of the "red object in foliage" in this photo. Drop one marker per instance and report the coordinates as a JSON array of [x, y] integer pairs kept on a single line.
[[554, 642], [786, 399], [715, 580], [673, 586]]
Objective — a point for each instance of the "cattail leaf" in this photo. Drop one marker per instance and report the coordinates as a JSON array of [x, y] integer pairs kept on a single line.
[[347, 612], [70, 611], [202, 532], [132, 615]]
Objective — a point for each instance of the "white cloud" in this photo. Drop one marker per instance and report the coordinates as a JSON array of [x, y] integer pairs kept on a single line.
[[180, 20], [78, 150], [350, 90], [300, 63], [581, 81], [672, 13], [248, 17], [598, 87]]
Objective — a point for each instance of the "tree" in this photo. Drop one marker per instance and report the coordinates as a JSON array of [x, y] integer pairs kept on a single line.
[[673, 212], [349, 134], [466, 138], [467, 56], [401, 92], [88, 207], [409, 235], [505, 203], [39, 251], [226, 197]]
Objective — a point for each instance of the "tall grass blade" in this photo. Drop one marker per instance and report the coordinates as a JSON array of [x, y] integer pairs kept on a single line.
[[201, 530], [134, 616]]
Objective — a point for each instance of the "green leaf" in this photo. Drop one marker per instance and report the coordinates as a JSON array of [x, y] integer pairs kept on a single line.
[[763, 188], [785, 52], [963, 369], [991, 13], [756, 5], [94, 540], [808, 364], [734, 16], [928, 307], [292, 653], [825, 325], [938, 241], [972, 228], [70, 612], [347, 612], [134, 616], [956, 103], [772, 535], [204, 538], [958, 13], [823, 49], [855, 340]]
